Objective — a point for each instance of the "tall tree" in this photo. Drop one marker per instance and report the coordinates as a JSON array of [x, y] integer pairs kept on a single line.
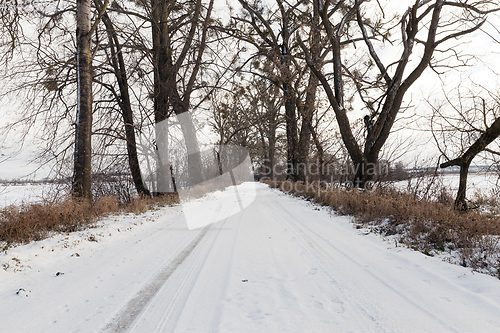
[[177, 65], [82, 178], [487, 136], [247, 114], [274, 42], [270, 33], [430, 24], [307, 109], [82, 182]]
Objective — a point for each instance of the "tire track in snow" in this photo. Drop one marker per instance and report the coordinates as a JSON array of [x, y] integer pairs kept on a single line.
[[321, 254], [135, 306], [430, 273], [166, 307], [163, 312], [364, 307], [183, 285]]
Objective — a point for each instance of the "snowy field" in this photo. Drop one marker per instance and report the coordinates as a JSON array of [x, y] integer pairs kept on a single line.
[[476, 182], [481, 183], [281, 265], [19, 194], [24, 193]]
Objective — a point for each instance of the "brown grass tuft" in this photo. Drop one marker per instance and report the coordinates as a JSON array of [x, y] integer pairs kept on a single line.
[[32, 222], [143, 204]]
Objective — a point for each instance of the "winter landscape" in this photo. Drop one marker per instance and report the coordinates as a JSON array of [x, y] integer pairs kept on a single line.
[[249, 166], [281, 265]]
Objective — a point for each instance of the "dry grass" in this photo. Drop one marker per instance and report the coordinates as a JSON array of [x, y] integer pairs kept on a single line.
[[428, 226], [27, 223]]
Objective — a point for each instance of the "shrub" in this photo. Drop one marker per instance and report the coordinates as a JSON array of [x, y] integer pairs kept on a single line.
[[32, 222]]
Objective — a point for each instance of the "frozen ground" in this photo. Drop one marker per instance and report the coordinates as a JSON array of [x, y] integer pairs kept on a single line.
[[476, 182], [483, 183], [282, 265], [24, 193]]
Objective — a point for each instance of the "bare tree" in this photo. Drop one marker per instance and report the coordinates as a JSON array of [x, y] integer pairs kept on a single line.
[[467, 130], [48, 73], [47, 79], [82, 182], [429, 24], [177, 62], [248, 114], [266, 102], [268, 32], [82, 179]]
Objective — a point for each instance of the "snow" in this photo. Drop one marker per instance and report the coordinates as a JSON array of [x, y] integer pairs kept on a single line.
[[476, 182], [24, 193], [201, 212], [280, 265]]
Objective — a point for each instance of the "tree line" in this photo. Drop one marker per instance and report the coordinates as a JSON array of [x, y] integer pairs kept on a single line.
[[293, 82]]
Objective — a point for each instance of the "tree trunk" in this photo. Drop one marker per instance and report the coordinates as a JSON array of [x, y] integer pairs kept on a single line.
[[272, 108], [271, 158], [290, 99], [124, 102], [133, 159], [82, 184], [166, 73], [364, 171], [162, 157], [305, 130], [291, 131], [195, 166], [161, 65], [321, 154], [460, 203]]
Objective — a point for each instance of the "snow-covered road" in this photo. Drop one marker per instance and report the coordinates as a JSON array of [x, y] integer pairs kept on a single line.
[[282, 265]]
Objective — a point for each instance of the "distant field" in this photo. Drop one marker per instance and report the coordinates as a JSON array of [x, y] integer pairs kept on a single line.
[[25, 193], [475, 182], [11, 194], [484, 183]]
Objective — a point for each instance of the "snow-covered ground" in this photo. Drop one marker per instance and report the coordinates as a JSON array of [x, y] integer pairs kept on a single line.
[[281, 265], [25, 193], [477, 183]]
